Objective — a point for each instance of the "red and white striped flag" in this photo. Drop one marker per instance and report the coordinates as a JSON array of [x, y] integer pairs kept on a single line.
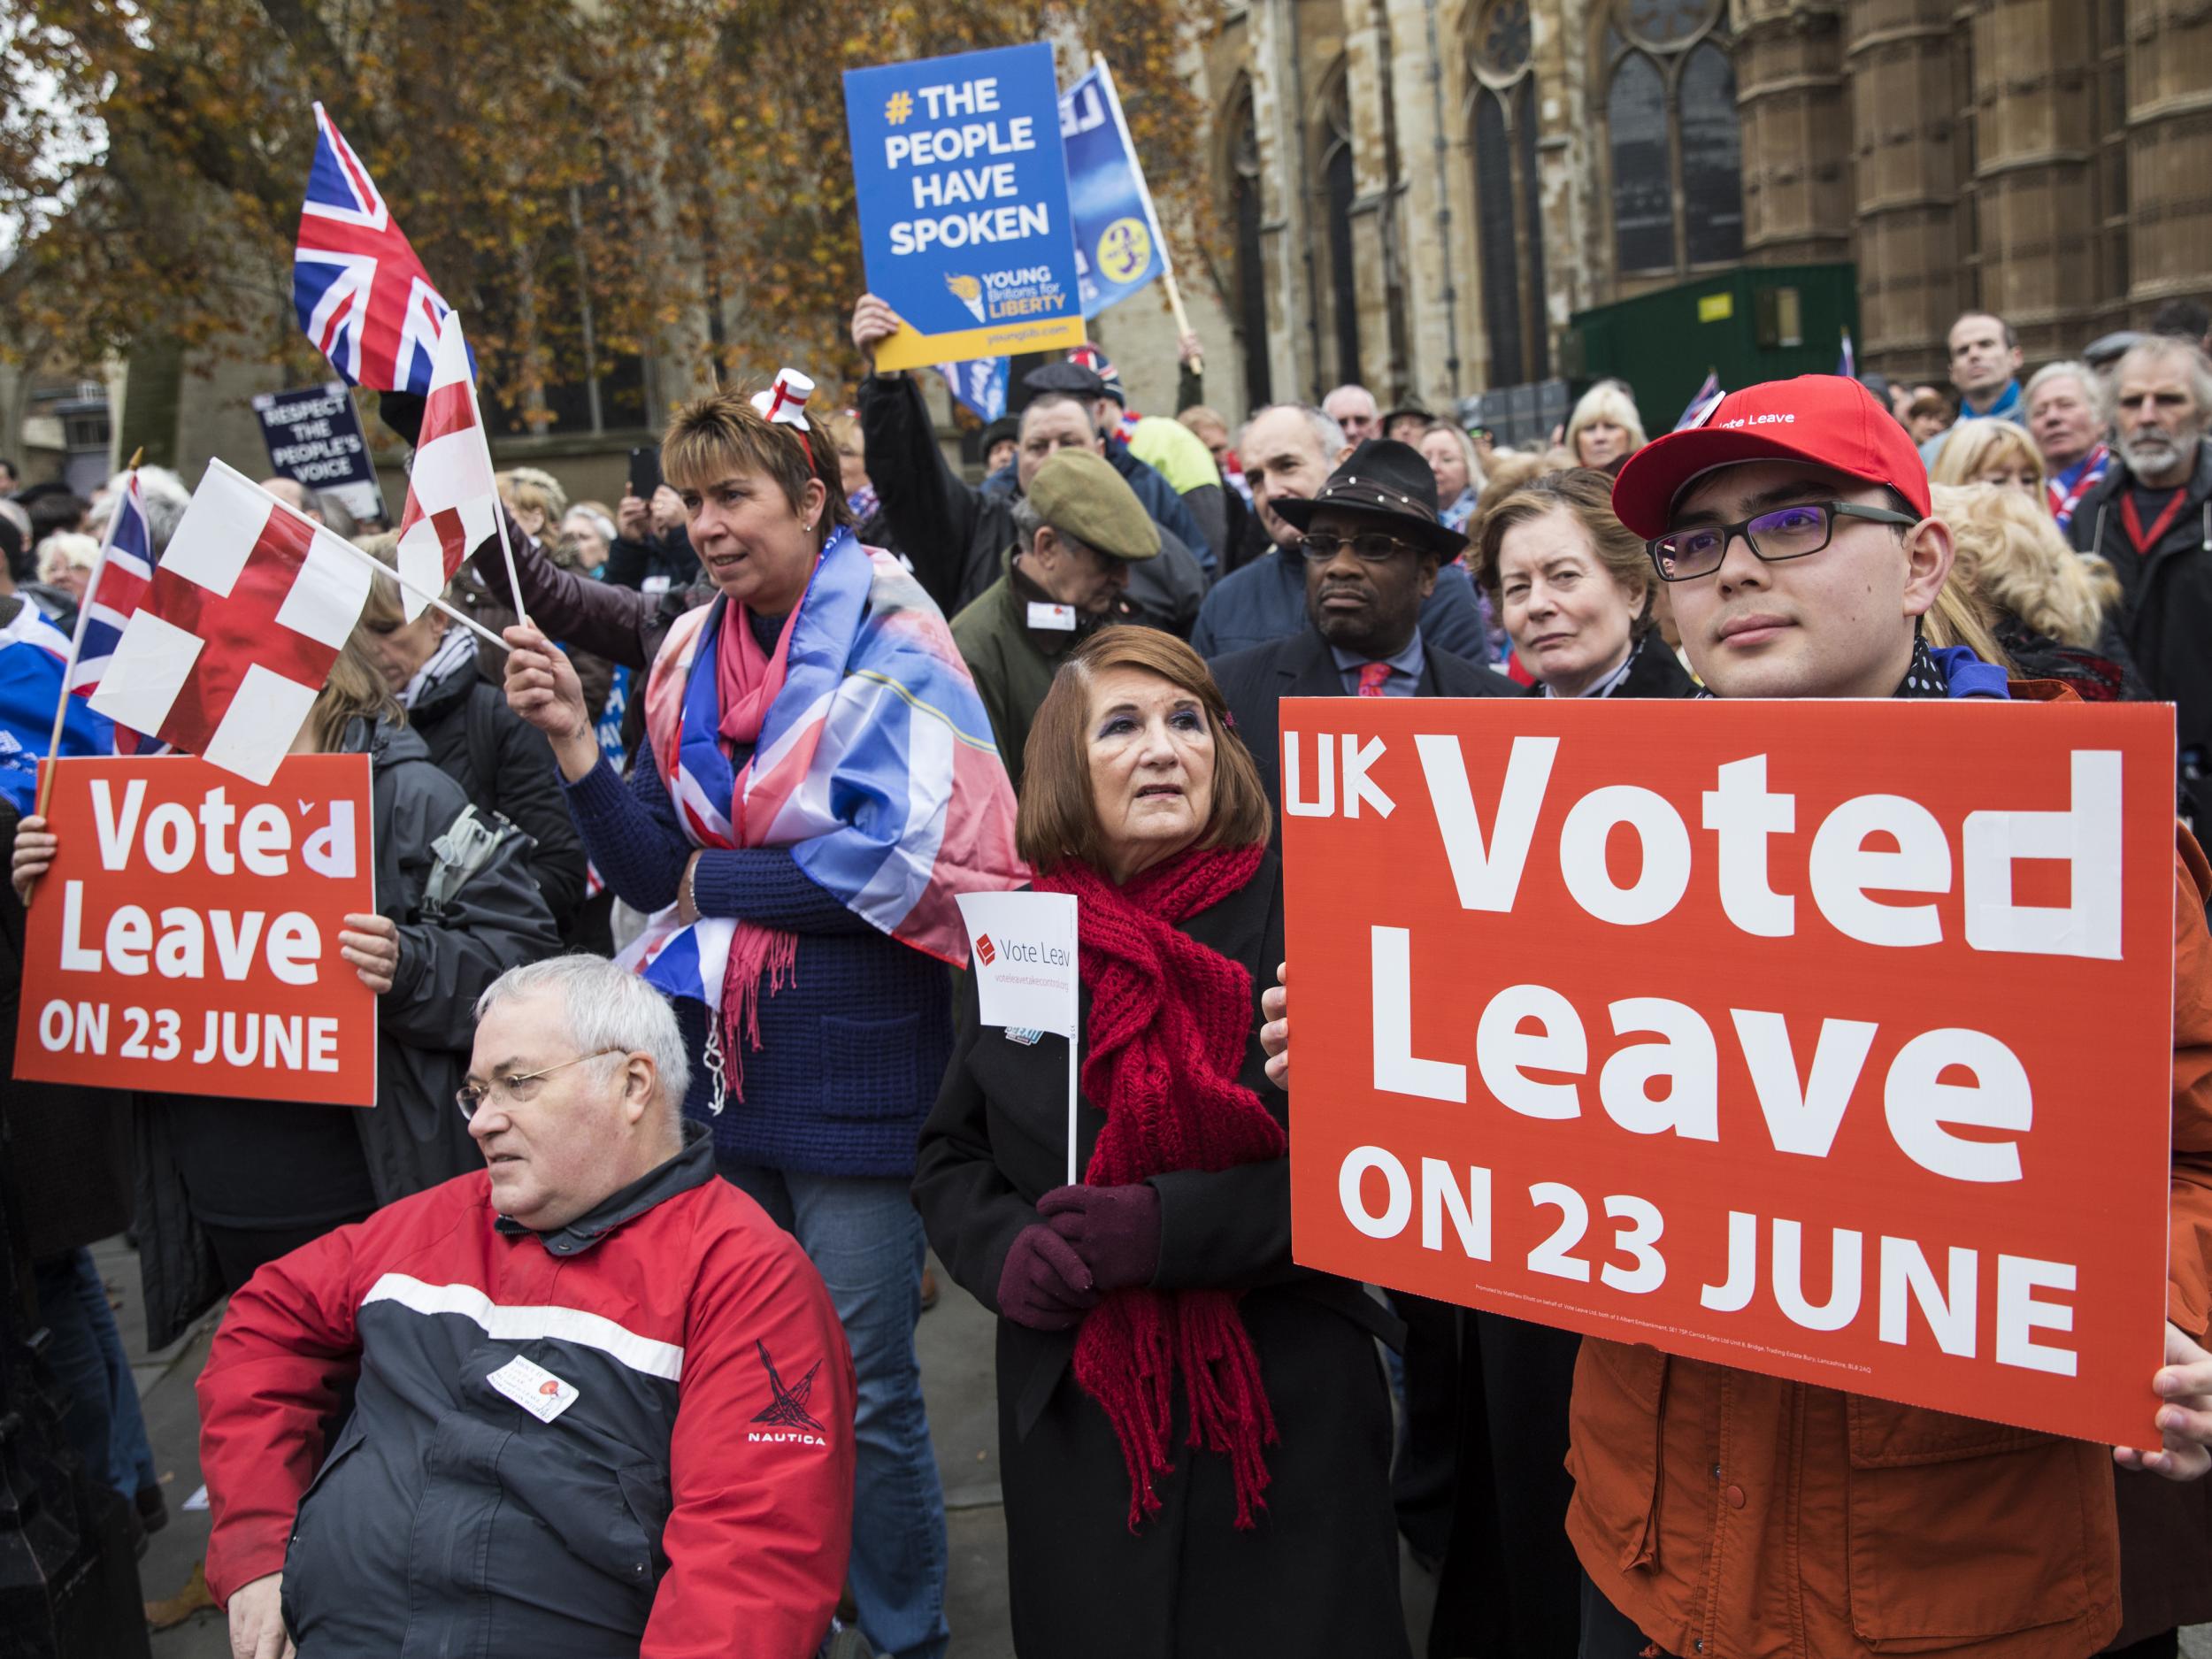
[[452, 503], [247, 611]]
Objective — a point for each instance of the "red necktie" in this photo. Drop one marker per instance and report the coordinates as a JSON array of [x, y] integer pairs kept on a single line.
[[1372, 676]]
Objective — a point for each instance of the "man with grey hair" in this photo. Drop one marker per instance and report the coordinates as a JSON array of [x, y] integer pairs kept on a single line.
[[600, 1401], [1288, 451], [1353, 408], [2063, 417], [323, 507], [2151, 519], [1079, 532]]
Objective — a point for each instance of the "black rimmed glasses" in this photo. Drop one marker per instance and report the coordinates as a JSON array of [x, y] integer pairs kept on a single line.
[[1371, 547], [512, 1091], [1784, 532]]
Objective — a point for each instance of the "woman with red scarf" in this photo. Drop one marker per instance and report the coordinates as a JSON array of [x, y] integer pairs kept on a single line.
[[1193, 1432]]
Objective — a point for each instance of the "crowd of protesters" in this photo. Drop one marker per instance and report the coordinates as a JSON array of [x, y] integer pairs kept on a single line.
[[701, 1193]]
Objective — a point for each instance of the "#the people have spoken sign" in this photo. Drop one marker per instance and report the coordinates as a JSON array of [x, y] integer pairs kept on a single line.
[[1830, 1040], [186, 939], [962, 188]]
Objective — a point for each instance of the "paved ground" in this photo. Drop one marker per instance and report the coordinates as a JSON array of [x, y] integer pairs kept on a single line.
[[955, 1352]]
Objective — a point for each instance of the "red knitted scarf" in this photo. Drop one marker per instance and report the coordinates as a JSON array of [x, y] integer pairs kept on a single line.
[[1170, 1020]]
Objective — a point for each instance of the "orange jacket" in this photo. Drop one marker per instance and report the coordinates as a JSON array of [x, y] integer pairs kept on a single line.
[[1735, 1515]]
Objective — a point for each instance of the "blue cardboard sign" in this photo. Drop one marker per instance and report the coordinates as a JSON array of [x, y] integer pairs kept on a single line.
[[980, 384], [1118, 240], [962, 189]]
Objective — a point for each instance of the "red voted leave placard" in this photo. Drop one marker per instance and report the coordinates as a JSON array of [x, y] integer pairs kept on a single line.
[[1830, 1040], [186, 939]]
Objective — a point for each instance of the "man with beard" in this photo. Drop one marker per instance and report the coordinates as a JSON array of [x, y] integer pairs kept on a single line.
[[2152, 519], [1287, 451]]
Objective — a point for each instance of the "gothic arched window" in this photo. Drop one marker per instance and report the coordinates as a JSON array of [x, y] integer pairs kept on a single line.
[[1509, 220], [1672, 138], [1340, 191], [1246, 212]]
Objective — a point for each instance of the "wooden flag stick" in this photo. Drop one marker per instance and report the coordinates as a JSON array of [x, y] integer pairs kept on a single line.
[[76, 639]]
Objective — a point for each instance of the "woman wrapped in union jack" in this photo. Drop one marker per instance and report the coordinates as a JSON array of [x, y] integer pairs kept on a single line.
[[822, 782]]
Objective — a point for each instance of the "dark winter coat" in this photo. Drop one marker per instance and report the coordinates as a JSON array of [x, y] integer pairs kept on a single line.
[[1319, 1575], [957, 537], [1013, 664], [65, 1151], [1254, 681], [2165, 608], [504, 764], [414, 1137], [1265, 600]]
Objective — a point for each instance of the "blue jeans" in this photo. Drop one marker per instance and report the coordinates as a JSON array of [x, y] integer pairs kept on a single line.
[[865, 1239], [86, 1352]]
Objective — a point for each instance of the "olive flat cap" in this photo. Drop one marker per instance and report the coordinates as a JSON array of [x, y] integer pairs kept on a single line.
[[1080, 494]]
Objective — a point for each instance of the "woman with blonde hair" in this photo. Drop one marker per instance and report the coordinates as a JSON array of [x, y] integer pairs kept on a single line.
[[534, 496], [1450, 454], [1990, 451], [1605, 428], [2054, 612]]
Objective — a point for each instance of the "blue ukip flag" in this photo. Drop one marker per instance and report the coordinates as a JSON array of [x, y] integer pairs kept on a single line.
[[1119, 247], [1848, 365]]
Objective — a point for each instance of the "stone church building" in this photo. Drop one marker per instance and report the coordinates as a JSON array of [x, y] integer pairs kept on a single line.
[[1420, 194]]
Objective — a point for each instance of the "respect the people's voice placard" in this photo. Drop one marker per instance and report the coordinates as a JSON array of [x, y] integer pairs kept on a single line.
[[186, 939], [1830, 1040]]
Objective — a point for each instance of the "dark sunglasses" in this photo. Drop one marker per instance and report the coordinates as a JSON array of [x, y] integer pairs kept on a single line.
[[1370, 547]]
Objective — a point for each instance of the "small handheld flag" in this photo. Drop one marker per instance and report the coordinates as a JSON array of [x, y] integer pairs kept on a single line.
[[1703, 402], [452, 497]]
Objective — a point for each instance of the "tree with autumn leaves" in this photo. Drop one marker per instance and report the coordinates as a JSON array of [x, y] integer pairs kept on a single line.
[[585, 182]]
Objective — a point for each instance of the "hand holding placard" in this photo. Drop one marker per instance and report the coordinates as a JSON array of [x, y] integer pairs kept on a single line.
[[1753, 1033]]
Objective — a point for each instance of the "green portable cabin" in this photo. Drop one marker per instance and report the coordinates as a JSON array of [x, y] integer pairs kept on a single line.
[[1752, 324]]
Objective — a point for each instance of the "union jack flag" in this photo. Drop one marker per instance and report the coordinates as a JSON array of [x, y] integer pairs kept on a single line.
[[362, 296], [120, 584]]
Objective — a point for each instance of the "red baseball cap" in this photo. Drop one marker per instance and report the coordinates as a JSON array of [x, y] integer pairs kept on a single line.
[[1822, 419]]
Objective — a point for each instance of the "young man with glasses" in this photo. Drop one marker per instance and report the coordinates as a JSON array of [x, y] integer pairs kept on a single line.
[[600, 1401]]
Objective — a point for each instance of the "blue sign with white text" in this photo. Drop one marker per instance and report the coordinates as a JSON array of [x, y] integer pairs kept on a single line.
[[962, 190], [1116, 235]]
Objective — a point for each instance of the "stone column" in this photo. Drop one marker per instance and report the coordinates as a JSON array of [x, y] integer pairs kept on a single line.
[[1277, 121], [1371, 97], [1447, 353], [1796, 134], [1906, 176], [2169, 133], [2032, 148]]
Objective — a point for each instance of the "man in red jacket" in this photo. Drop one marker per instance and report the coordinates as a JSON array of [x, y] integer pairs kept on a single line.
[[601, 1403]]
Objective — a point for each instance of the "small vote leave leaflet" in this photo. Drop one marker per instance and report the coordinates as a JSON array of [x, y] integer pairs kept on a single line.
[[186, 939], [961, 184], [1829, 1040], [1022, 951]]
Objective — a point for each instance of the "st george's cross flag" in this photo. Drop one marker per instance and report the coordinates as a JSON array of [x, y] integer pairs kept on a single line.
[[362, 296], [244, 618], [452, 500]]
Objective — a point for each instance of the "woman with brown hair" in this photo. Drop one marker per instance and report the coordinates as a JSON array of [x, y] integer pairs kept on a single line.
[[1193, 1432], [227, 1185], [1574, 588]]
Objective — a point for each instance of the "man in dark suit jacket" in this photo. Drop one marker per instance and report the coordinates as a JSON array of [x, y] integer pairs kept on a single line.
[[1373, 544]]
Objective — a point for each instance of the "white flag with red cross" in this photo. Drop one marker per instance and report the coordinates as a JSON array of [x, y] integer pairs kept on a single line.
[[452, 500], [247, 611]]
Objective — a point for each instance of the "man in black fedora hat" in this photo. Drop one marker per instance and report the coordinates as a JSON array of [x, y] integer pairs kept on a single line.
[[1372, 541], [1371, 544]]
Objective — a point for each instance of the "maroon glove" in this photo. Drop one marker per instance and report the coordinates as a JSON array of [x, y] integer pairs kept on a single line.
[[1043, 1284], [1115, 1230]]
